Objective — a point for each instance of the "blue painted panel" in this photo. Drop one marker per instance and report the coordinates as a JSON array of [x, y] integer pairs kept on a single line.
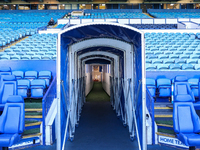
[[171, 74], [28, 65]]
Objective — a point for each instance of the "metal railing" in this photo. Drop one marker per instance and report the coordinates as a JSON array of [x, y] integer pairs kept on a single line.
[[150, 107], [74, 106], [47, 100], [124, 102]]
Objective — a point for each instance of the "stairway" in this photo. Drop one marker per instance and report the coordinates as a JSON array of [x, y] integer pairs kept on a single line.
[[163, 117], [13, 43], [149, 15]]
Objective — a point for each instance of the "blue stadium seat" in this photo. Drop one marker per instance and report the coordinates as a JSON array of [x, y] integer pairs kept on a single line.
[[174, 67], [12, 121], [8, 87], [151, 85], [197, 67], [5, 71], [163, 67], [18, 74], [151, 66], [186, 123], [23, 87], [194, 85], [164, 87], [46, 75], [187, 67], [38, 87], [182, 90], [31, 75]]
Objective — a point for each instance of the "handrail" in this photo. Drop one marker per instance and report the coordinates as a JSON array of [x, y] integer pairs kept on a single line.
[[46, 103], [150, 107]]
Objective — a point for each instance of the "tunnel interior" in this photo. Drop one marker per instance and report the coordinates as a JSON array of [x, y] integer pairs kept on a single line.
[[120, 60]]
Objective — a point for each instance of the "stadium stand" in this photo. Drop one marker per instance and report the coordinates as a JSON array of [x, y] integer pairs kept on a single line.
[[174, 50], [173, 13]]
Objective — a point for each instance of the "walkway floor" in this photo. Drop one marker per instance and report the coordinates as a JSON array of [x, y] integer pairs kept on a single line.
[[99, 128]]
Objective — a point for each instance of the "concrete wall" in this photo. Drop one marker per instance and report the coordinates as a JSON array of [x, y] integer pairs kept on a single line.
[[88, 79], [106, 78]]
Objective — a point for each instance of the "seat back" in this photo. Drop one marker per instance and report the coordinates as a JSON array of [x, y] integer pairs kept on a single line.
[[182, 90], [12, 118], [5, 71], [185, 119], [8, 87]]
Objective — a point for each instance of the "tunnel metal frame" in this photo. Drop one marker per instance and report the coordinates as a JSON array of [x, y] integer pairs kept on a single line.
[[143, 146]]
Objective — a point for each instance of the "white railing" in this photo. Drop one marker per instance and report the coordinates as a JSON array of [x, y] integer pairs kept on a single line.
[[130, 20]]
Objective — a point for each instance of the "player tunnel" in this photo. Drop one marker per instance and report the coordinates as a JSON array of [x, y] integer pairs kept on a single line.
[[119, 51]]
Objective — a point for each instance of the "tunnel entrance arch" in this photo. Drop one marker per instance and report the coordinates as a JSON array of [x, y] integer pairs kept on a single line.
[[74, 40]]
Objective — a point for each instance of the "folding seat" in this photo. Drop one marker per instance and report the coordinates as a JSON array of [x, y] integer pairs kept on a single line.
[[188, 53], [163, 67], [164, 87], [163, 56], [23, 87], [157, 61], [5, 71], [191, 61], [25, 57], [26, 50], [46, 57], [46, 75], [151, 67], [193, 82], [36, 57], [168, 61], [194, 56], [196, 53], [175, 67], [54, 57], [8, 50], [38, 88], [148, 61], [187, 67], [149, 53], [180, 61], [15, 57], [12, 121], [158, 53], [18, 74], [8, 87], [152, 56], [31, 75], [181, 49], [168, 53], [151, 85], [11, 53], [178, 53], [173, 56], [184, 56], [30, 53]]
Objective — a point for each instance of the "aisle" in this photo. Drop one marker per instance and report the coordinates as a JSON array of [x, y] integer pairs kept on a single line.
[[99, 128]]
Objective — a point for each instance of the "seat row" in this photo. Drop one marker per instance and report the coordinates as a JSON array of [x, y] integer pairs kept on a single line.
[[29, 56], [154, 26], [174, 67], [28, 84], [161, 87], [171, 60]]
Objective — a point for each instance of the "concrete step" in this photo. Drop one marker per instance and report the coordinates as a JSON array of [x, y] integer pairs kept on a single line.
[[31, 135], [33, 124], [166, 134], [33, 110]]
